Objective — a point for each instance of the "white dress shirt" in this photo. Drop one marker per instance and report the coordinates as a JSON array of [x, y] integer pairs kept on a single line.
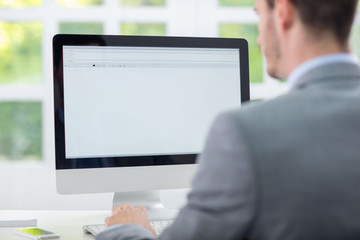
[[318, 62]]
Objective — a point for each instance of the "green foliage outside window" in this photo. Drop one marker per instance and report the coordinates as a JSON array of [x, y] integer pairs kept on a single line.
[[20, 52], [250, 33], [81, 28], [153, 29], [236, 3], [134, 3], [20, 3], [79, 3], [20, 131], [355, 40]]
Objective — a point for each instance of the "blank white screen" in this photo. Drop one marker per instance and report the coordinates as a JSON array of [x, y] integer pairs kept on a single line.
[[131, 101]]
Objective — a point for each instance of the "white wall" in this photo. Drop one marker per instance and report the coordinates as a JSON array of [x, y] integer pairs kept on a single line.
[[33, 187]]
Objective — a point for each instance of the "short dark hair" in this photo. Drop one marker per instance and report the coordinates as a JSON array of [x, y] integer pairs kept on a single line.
[[332, 16]]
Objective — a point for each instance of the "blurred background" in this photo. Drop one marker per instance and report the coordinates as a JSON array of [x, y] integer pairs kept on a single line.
[[26, 112]]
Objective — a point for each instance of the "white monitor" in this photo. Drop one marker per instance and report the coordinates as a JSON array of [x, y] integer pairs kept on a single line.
[[132, 112]]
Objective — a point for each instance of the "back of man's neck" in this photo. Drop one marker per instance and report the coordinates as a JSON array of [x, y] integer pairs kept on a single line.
[[309, 48]]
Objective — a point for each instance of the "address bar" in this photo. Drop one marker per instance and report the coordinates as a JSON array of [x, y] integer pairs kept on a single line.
[[153, 56]]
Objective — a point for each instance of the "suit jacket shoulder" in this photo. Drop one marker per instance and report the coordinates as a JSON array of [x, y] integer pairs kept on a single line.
[[305, 149]]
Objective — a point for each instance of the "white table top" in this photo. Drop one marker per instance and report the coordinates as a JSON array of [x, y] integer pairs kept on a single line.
[[68, 224]]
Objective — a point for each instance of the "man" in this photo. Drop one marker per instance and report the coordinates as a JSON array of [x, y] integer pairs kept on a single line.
[[288, 168]]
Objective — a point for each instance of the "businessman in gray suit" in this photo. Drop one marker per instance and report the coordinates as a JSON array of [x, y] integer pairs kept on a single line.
[[287, 168]]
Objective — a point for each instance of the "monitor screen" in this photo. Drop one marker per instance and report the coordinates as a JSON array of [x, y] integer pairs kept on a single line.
[[141, 101], [124, 102]]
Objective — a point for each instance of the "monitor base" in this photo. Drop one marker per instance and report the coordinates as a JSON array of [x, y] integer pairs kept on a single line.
[[149, 199]]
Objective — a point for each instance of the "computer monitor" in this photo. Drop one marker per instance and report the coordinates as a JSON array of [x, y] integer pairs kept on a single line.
[[132, 112]]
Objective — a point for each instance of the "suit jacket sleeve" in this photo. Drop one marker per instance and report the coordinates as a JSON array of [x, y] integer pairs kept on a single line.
[[221, 203]]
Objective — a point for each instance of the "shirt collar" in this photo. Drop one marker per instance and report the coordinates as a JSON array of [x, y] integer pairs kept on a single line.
[[318, 62]]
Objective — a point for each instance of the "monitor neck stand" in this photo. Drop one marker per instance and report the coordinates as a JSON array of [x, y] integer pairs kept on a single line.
[[149, 199]]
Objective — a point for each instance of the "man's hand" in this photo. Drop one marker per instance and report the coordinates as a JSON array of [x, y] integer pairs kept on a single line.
[[126, 214]]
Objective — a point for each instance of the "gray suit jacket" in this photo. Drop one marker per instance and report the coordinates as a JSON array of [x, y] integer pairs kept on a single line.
[[288, 168]]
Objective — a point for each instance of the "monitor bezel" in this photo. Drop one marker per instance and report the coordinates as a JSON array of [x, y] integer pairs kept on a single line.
[[61, 40]]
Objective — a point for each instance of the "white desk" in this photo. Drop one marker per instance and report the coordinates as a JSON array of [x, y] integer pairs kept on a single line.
[[68, 224]]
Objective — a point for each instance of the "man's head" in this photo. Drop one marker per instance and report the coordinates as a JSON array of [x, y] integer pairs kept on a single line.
[[319, 20]]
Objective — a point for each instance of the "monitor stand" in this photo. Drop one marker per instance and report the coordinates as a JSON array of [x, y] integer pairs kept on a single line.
[[149, 199]]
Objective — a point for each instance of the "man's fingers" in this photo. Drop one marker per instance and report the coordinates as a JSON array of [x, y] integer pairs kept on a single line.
[[115, 210], [143, 211], [123, 206], [108, 221]]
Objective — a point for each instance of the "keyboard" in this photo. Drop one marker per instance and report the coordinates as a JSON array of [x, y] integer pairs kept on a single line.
[[158, 225]]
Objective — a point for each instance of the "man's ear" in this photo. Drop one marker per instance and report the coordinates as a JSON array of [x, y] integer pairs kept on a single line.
[[285, 13]]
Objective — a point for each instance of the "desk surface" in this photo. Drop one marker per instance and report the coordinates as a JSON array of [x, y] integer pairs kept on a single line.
[[68, 224]]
